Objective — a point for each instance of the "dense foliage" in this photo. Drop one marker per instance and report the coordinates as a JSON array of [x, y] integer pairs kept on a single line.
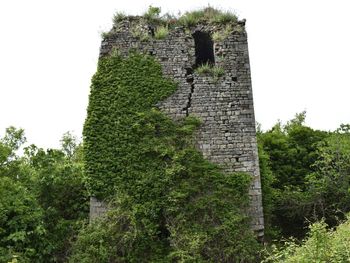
[[199, 217], [42, 199], [320, 245], [169, 202], [307, 175], [120, 124]]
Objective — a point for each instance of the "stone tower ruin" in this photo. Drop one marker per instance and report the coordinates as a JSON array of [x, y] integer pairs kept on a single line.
[[224, 104]]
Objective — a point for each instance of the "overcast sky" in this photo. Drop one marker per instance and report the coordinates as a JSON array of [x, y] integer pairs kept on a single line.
[[299, 55]]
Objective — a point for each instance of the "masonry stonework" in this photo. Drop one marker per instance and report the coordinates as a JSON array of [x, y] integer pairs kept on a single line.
[[224, 105]]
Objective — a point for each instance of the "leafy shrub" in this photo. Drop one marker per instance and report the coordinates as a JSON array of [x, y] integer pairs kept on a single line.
[[22, 232], [42, 199], [320, 246], [292, 152], [329, 183], [61, 194]]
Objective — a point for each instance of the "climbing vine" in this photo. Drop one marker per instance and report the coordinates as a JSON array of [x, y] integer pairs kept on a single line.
[[165, 197], [116, 132]]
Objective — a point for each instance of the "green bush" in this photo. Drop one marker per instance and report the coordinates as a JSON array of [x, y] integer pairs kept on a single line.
[[292, 152], [22, 231], [42, 199], [321, 245], [61, 194]]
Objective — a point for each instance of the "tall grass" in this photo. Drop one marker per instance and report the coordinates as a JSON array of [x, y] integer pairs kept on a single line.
[[208, 14]]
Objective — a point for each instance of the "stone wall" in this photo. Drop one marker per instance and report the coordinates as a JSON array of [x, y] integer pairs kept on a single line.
[[97, 208], [225, 105]]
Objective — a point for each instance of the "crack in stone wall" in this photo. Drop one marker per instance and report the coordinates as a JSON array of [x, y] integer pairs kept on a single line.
[[189, 80]]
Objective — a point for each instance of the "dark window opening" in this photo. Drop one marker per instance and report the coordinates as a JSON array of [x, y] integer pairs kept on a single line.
[[204, 48], [151, 31]]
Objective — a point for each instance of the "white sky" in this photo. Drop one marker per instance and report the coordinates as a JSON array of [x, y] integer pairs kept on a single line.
[[299, 54]]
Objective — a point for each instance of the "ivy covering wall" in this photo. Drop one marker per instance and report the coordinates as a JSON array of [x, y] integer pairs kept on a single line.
[[168, 202], [120, 128]]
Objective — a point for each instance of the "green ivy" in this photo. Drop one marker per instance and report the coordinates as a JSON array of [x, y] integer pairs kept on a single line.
[[167, 198], [116, 132]]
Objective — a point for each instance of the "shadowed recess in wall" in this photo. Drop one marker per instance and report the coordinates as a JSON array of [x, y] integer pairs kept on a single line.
[[204, 48]]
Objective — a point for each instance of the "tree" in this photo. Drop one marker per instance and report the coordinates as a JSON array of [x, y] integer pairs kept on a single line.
[[60, 191], [320, 245], [329, 184], [291, 150], [22, 231], [43, 200]]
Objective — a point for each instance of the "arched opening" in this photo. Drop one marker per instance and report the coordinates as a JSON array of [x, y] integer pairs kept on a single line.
[[204, 50]]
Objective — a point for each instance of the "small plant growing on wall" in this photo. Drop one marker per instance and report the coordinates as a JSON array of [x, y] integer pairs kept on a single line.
[[138, 32], [105, 34], [115, 52], [221, 35], [119, 16], [208, 14], [215, 71], [224, 17], [152, 13], [161, 32], [204, 69]]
